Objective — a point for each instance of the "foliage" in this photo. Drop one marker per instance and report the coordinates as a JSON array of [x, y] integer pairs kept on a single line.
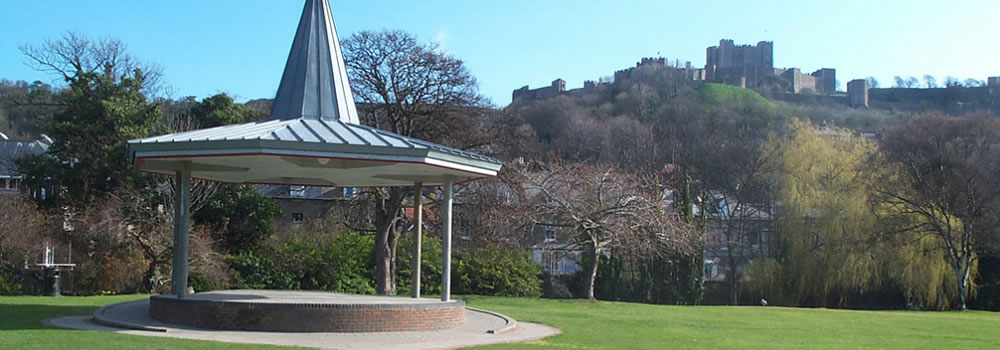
[[430, 265], [345, 265], [8, 285], [351, 260], [260, 272], [604, 209], [21, 237], [202, 283], [837, 240], [949, 186], [219, 110], [26, 109], [412, 90], [675, 279], [104, 107], [988, 294], [241, 216], [498, 270]]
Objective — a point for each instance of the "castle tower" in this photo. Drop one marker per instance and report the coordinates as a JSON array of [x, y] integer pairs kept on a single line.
[[857, 93]]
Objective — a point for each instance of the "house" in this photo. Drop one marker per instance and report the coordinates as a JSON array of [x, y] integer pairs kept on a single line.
[[750, 225], [302, 203], [557, 255], [10, 151]]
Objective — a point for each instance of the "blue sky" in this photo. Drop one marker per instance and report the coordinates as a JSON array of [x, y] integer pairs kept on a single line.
[[239, 47]]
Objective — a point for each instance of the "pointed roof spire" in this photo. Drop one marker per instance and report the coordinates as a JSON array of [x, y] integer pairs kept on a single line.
[[314, 84]]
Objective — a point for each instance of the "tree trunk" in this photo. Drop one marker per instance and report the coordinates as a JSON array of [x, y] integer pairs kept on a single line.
[[962, 278], [733, 280], [593, 272], [386, 234], [384, 283]]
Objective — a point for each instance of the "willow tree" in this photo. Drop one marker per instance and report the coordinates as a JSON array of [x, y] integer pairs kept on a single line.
[[838, 236]]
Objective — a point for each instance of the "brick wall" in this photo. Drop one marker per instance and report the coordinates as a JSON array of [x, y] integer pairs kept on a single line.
[[306, 317]]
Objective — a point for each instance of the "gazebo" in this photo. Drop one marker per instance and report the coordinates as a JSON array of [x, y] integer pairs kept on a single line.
[[312, 137]]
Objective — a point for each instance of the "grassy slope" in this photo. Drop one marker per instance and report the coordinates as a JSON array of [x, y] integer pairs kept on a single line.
[[733, 96], [21, 328], [587, 325], [604, 325]]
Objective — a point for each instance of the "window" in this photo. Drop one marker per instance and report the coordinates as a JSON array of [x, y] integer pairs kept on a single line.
[[297, 217], [550, 233], [297, 191], [348, 192]]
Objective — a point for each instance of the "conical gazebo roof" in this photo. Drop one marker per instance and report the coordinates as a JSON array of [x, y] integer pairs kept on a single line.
[[312, 136]]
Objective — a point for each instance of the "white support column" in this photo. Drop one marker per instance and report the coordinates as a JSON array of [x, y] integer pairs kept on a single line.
[[182, 203], [446, 242], [418, 213]]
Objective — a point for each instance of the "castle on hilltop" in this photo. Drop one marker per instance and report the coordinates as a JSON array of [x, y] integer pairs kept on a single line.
[[747, 66], [752, 67]]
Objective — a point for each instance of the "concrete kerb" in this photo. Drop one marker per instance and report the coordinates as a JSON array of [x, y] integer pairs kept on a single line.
[[99, 317], [511, 323], [483, 327]]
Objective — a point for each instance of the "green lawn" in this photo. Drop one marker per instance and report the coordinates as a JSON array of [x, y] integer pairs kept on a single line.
[[588, 325], [603, 325], [21, 327]]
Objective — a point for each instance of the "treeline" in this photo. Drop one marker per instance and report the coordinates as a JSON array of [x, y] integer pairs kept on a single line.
[[642, 181]]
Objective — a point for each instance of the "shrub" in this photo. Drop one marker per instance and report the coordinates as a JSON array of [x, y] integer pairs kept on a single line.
[[202, 283], [351, 261], [498, 270], [346, 265], [8, 284], [554, 287], [430, 265], [259, 272]]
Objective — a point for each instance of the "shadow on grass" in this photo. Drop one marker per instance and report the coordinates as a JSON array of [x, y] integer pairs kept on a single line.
[[29, 316]]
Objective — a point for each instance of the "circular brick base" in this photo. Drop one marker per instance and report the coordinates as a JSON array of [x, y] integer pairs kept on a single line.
[[305, 312]]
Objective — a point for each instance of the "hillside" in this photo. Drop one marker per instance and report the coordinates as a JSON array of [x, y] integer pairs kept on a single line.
[[733, 96]]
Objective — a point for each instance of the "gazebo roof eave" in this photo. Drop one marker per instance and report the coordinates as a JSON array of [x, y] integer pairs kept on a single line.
[[441, 182], [228, 148]]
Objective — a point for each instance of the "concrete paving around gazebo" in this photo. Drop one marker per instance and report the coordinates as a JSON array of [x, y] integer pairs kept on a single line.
[[480, 327]]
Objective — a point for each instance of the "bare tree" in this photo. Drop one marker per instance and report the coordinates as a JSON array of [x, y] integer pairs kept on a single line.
[[606, 211], [930, 81], [952, 82], [22, 233], [974, 83], [907, 82], [412, 90], [952, 185], [75, 54], [872, 82]]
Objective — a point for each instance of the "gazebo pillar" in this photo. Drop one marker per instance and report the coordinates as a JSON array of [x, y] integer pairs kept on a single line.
[[418, 213], [182, 204], [446, 241]]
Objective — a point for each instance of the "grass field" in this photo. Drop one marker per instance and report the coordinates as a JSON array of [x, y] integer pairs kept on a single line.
[[21, 327], [589, 325]]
